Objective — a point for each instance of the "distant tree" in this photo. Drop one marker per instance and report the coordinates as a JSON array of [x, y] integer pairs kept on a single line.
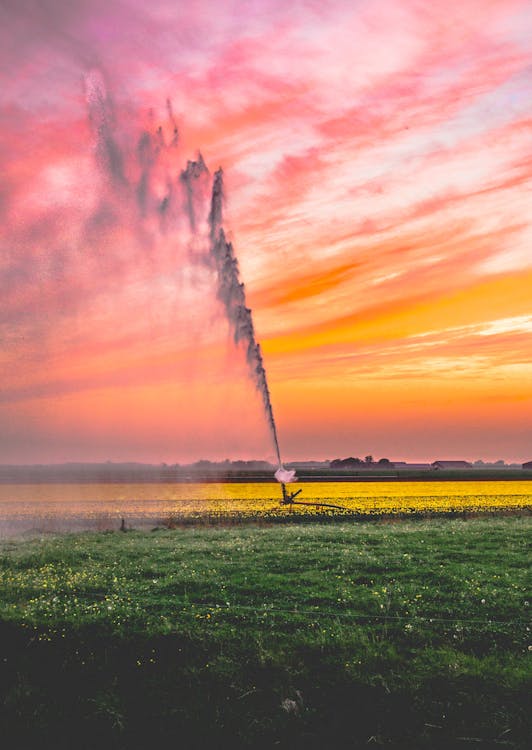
[[345, 463], [480, 462], [500, 462], [383, 461], [369, 459]]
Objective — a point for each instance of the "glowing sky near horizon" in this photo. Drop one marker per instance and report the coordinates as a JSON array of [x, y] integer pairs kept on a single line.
[[378, 170]]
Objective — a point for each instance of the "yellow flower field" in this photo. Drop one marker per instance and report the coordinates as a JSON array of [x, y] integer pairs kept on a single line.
[[261, 499], [359, 497]]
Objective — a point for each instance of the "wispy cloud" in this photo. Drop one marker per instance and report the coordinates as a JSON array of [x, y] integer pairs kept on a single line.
[[378, 165]]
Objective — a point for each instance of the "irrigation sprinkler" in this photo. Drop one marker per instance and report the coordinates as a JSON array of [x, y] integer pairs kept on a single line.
[[289, 499]]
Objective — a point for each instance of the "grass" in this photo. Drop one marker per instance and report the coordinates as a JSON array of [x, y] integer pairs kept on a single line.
[[405, 635]]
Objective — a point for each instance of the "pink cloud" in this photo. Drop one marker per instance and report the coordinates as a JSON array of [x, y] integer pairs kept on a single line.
[[370, 150]]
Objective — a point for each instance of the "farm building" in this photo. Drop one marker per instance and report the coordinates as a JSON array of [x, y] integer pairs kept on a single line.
[[404, 466], [452, 465], [528, 465]]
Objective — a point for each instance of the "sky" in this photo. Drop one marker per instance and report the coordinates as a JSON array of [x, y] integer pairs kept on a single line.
[[377, 161]]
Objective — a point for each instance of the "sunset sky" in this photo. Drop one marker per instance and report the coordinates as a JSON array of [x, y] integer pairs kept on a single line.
[[377, 159]]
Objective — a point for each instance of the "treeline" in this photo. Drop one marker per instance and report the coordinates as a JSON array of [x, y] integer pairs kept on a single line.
[[110, 472], [352, 463]]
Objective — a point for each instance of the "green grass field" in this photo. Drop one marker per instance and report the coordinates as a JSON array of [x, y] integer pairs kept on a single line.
[[402, 635]]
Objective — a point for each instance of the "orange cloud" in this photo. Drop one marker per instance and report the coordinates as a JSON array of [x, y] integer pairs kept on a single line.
[[378, 166]]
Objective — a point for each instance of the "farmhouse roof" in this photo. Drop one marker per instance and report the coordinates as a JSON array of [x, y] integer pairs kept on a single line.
[[528, 465], [404, 465]]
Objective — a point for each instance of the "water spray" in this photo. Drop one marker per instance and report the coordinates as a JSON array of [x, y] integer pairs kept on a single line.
[[220, 256], [232, 294]]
